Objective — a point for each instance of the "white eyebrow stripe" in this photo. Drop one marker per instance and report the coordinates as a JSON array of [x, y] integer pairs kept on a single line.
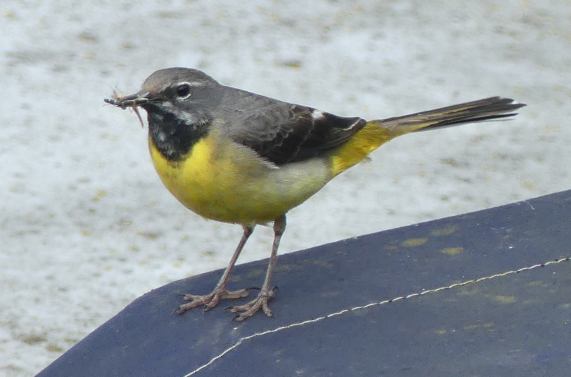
[[193, 83]]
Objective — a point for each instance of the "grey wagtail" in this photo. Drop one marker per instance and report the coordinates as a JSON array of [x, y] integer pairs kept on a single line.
[[242, 158]]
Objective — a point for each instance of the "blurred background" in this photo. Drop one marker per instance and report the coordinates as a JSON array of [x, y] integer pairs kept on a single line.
[[85, 224]]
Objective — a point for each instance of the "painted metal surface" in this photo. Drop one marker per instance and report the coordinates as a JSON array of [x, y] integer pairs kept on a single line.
[[517, 324]]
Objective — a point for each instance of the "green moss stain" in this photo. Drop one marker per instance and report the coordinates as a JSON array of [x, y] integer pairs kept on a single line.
[[537, 283], [504, 299], [444, 231], [441, 331], [479, 326], [452, 250], [414, 242]]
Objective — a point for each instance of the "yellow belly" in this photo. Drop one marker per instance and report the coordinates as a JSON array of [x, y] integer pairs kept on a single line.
[[228, 182]]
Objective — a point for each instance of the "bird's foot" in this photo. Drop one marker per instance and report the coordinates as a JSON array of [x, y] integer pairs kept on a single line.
[[210, 300], [247, 310]]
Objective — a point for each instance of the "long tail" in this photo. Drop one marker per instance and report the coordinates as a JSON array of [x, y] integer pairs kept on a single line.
[[377, 132], [469, 112]]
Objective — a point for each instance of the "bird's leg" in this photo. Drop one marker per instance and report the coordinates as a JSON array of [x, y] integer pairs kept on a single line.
[[219, 292], [267, 292]]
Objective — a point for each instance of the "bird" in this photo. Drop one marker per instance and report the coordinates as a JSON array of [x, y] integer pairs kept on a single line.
[[238, 157]]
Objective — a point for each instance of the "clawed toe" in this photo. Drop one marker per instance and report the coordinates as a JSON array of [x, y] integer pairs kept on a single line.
[[209, 301], [247, 310]]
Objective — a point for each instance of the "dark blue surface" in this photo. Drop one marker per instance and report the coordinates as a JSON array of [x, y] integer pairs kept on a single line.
[[518, 325]]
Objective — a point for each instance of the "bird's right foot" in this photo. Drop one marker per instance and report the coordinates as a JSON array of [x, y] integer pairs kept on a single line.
[[210, 300]]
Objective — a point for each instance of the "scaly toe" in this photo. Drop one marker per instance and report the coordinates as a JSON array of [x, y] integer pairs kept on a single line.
[[247, 310], [188, 306], [210, 300]]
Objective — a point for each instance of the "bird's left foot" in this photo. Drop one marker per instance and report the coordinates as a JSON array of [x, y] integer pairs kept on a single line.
[[209, 301], [247, 310]]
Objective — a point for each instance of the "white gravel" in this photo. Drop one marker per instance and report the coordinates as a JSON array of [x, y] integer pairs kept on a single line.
[[85, 224]]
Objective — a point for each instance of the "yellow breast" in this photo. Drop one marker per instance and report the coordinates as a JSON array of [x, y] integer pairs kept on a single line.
[[225, 181]]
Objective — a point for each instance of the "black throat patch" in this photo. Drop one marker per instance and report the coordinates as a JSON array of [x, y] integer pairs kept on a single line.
[[172, 134]]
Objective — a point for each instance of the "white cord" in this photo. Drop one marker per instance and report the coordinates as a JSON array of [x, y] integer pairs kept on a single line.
[[376, 303]]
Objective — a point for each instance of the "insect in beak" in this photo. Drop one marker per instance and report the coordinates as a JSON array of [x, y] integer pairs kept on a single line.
[[132, 101]]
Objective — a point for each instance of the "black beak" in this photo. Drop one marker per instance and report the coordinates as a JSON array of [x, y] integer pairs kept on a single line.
[[132, 100]]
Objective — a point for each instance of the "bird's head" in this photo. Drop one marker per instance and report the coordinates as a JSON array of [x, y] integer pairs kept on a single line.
[[184, 93]]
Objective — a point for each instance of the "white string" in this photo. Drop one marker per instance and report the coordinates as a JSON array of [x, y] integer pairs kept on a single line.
[[369, 305]]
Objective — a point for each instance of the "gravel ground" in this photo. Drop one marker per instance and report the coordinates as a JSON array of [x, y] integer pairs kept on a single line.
[[85, 224]]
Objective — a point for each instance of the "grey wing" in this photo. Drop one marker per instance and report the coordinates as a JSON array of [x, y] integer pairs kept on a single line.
[[282, 132]]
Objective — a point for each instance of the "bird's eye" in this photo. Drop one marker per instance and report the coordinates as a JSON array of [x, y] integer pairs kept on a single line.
[[183, 91]]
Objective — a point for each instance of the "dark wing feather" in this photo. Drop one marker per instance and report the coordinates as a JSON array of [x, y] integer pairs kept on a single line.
[[283, 132]]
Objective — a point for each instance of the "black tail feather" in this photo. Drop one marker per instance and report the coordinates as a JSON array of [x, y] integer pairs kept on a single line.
[[476, 111]]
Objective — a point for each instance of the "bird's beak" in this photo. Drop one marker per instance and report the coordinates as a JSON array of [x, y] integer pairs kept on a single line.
[[132, 100]]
